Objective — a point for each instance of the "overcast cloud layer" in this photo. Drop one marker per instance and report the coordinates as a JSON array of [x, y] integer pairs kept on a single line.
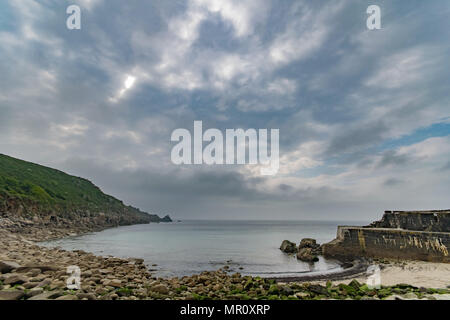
[[364, 116]]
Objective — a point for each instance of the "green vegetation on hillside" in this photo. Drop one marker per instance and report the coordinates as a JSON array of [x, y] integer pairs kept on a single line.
[[53, 189]]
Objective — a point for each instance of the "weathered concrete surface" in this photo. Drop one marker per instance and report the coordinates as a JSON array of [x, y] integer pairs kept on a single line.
[[390, 238], [389, 243]]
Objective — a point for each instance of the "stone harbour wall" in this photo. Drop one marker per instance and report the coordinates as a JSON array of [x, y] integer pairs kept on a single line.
[[389, 243]]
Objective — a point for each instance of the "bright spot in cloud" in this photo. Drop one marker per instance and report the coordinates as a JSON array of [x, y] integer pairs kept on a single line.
[[129, 82], [127, 85]]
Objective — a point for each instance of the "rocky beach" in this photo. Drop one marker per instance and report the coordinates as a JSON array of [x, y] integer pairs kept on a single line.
[[32, 272], [39, 204]]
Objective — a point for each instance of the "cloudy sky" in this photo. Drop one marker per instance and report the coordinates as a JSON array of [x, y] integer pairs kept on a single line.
[[364, 116]]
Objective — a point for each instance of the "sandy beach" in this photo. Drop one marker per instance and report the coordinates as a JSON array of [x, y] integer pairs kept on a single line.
[[415, 273]]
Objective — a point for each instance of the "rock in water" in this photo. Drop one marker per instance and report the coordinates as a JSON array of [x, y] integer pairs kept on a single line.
[[288, 247], [308, 243], [307, 254], [166, 219]]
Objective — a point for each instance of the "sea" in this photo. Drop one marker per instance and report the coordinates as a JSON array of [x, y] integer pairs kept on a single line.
[[191, 246]]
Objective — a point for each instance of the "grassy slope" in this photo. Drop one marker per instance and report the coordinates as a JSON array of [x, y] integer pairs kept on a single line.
[[50, 188]]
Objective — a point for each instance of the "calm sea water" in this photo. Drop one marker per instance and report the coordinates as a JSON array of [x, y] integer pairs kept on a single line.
[[188, 247]]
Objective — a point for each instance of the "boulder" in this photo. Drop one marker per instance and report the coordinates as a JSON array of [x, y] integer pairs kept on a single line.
[[8, 266], [34, 272], [318, 289], [42, 268], [308, 243], [11, 294], [34, 292], [44, 283], [16, 279], [411, 296], [115, 283], [30, 285], [166, 219], [160, 288], [89, 296], [67, 297], [307, 254], [288, 247], [47, 295]]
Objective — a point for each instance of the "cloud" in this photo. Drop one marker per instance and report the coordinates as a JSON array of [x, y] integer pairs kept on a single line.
[[446, 167], [400, 69], [240, 14], [88, 4], [102, 102], [392, 182], [361, 136], [393, 158]]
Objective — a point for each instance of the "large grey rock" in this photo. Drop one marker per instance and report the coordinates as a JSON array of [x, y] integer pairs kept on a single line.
[[16, 279], [410, 296], [89, 296], [29, 285], [8, 266], [31, 266], [308, 250], [67, 297], [11, 294], [288, 247], [160, 288], [307, 255], [35, 291], [308, 243], [43, 283], [115, 283], [46, 295]]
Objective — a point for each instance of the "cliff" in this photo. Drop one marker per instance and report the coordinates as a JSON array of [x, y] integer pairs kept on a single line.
[[411, 235], [36, 197]]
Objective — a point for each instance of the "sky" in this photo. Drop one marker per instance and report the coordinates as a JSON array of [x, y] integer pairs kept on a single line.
[[364, 115]]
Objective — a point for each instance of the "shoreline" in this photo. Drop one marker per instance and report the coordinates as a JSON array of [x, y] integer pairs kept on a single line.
[[355, 268], [39, 273]]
